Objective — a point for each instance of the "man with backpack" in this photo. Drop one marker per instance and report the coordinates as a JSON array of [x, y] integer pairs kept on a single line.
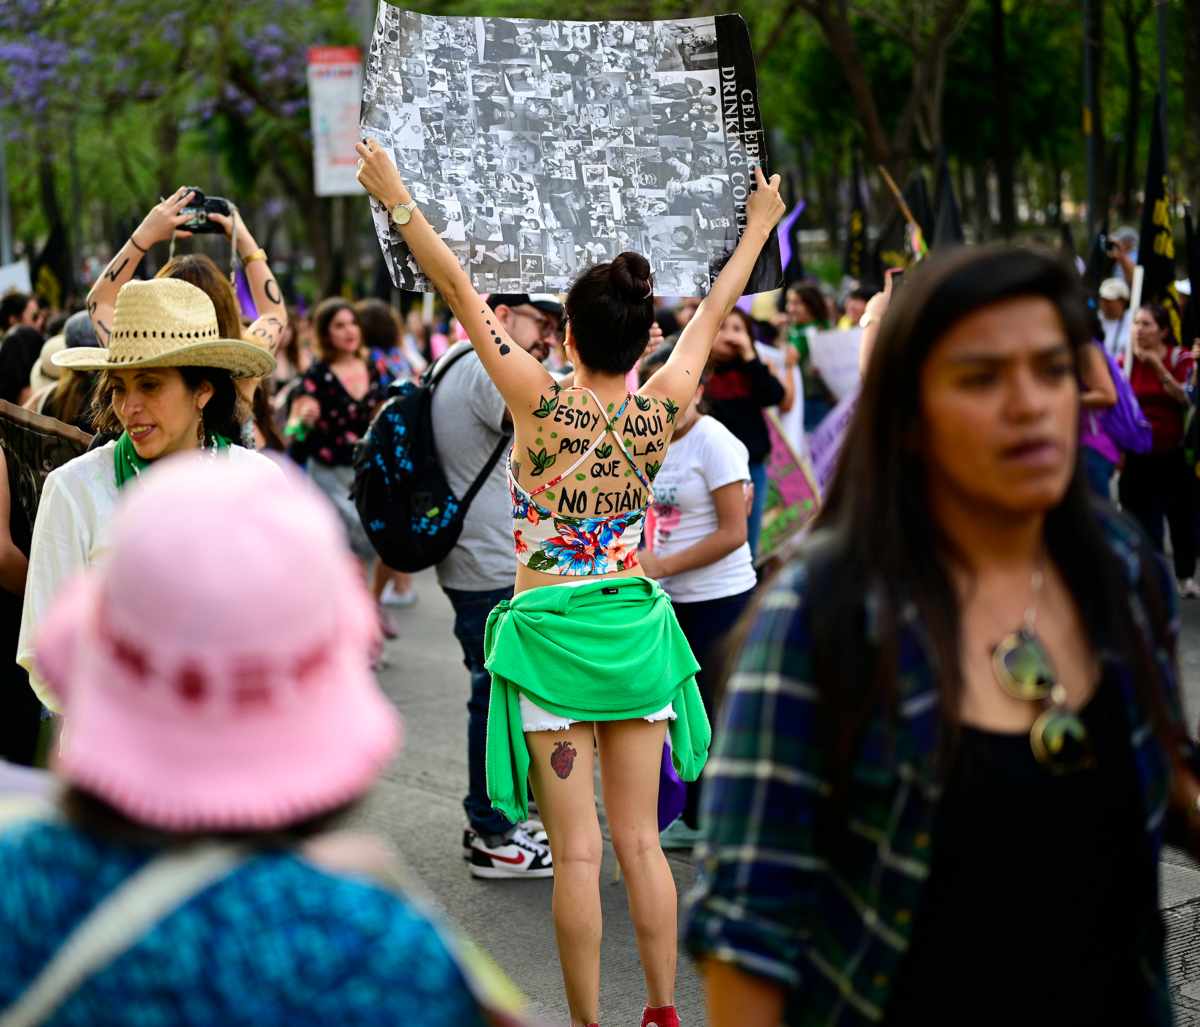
[[469, 422]]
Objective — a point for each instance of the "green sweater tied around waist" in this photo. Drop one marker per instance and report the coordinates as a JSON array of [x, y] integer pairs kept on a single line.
[[610, 649]]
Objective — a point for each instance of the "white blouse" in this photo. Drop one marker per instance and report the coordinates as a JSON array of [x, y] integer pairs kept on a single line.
[[71, 532]]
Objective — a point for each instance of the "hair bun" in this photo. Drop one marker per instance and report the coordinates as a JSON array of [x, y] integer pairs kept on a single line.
[[631, 278]]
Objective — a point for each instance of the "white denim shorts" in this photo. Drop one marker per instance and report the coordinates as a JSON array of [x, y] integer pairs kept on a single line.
[[534, 718]]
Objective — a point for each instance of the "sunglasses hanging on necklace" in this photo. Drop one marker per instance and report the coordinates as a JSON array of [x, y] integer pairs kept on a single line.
[[1023, 669]]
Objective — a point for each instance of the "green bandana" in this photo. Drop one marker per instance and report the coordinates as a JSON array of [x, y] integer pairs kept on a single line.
[[127, 465]]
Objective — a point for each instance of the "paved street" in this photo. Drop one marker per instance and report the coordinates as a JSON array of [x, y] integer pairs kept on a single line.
[[418, 806]]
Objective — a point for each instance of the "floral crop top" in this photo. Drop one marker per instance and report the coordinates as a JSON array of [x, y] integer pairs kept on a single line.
[[557, 542]]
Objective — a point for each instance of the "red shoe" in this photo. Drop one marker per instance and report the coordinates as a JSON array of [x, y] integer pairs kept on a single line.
[[663, 1016]]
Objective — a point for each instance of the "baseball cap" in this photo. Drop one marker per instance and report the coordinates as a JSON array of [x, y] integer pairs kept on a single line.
[[1114, 289]]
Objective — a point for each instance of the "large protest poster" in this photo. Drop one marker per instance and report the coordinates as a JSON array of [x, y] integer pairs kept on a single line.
[[825, 441], [793, 497], [334, 89], [536, 148], [835, 354]]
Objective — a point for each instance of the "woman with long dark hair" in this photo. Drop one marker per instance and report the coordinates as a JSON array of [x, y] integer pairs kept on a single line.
[[1160, 485], [588, 655], [955, 733]]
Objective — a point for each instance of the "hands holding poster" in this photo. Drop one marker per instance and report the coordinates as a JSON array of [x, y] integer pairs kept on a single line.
[[537, 148]]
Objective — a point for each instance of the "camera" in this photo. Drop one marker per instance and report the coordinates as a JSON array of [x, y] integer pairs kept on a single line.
[[198, 209]]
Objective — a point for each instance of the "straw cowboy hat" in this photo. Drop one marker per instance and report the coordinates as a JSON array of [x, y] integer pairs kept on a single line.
[[166, 322]]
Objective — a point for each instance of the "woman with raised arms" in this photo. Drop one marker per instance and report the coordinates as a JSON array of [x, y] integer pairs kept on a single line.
[[603, 664]]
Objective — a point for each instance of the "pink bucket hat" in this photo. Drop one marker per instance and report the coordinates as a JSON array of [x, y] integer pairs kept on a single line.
[[215, 670]]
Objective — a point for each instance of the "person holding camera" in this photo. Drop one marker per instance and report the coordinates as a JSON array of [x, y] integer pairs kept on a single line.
[[187, 212]]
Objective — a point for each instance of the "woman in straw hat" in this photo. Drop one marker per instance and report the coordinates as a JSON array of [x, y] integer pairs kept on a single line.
[[214, 731], [168, 387]]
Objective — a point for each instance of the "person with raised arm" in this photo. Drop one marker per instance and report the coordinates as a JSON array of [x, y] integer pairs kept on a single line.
[[162, 223], [603, 664]]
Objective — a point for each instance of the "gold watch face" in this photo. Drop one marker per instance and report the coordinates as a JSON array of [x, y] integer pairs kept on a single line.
[[401, 215]]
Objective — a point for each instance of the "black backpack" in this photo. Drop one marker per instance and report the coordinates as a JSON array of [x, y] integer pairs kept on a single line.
[[407, 508]]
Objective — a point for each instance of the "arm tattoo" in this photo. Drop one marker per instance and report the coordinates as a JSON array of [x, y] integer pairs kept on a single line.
[[112, 272], [272, 290], [102, 329]]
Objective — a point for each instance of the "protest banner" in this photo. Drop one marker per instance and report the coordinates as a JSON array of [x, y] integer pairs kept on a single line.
[[835, 355], [334, 91], [537, 148], [825, 441], [792, 494]]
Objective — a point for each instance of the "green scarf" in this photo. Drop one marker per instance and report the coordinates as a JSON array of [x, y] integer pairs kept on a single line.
[[608, 650], [127, 465]]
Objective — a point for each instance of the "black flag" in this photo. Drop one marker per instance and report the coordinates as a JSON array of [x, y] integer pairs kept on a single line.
[[1191, 312], [947, 229], [898, 245], [854, 261], [1156, 246]]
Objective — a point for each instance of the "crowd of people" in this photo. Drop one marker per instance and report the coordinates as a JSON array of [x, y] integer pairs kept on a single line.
[[968, 667]]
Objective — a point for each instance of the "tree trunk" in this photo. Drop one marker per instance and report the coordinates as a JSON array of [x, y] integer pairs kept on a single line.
[[1004, 144], [1094, 41], [981, 201], [1191, 93]]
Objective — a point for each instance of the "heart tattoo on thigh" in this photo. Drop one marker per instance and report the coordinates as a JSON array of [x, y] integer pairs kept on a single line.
[[562, 760]]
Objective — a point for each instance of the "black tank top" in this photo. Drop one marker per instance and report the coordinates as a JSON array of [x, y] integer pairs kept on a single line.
[[1031, 912]]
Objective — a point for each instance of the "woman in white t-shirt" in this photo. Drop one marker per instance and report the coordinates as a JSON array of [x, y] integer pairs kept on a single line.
[[699, 553], [168, 387]]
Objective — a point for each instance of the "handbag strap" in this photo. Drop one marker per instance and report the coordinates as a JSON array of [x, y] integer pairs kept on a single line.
[[119, 921]]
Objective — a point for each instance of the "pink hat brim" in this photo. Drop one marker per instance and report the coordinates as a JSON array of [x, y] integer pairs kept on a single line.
[[260, 770]]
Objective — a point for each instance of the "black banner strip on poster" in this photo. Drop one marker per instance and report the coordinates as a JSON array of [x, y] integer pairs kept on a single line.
[[537, 148], [745, 137]]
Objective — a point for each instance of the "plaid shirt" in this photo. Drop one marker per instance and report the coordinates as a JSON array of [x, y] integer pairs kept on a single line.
[[833, 930]]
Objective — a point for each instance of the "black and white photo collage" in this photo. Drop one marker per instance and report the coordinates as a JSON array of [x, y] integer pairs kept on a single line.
[[537, 148]]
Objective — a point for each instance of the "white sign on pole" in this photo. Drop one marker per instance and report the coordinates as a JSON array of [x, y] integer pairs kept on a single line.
[[15, 278], [334, 94], [835, 355]]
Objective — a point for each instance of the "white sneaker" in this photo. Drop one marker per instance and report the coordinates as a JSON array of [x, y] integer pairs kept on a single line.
[[1189, 589], [400, 600], [519, 856]]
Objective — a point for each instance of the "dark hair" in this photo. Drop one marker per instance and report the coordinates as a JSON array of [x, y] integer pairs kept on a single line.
[[56, 324], [1163, 320], [813, 298], [323, 316], [860, 292], [199, 270], [876, 514], [90, 813], [12, 308], [379, 323], [610, 308], [19, 353], [746, 319], [264, 420], [70, 401], [223, 413]]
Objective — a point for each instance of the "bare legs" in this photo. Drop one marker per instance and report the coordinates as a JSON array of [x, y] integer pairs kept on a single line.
[[561, 772]]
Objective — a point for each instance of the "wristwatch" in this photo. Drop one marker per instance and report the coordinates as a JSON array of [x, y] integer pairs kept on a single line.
[[401, 214]]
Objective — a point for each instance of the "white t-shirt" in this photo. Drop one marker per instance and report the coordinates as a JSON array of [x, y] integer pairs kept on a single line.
[[706, 458], [72, 532], [793, 420], [1117, 337]]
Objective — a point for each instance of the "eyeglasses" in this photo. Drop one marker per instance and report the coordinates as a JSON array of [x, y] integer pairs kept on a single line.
[[1058, 737], [547, 329]]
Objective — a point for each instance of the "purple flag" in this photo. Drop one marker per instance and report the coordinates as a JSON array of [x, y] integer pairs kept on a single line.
[[245, 299]]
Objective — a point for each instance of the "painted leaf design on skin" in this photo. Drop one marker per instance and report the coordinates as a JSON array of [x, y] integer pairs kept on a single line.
[[555, 389], [539, 561], [652, 469], [672, 409], [540, 460], [603, 452], [643, 404], [545, 406]]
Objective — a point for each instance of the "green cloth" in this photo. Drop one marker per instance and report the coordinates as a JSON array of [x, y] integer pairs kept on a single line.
[[127, 465], [610, 649]]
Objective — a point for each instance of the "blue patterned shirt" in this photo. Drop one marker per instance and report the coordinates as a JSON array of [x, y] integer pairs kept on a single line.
[[277, 941], [832, 928]]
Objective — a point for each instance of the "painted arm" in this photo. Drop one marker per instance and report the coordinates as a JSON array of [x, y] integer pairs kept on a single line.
[[159, 225], [520, 378], [678, 377], [730, 503], [267, 330]]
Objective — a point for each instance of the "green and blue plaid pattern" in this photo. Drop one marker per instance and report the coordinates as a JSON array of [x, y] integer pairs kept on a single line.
[[774, 899]]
